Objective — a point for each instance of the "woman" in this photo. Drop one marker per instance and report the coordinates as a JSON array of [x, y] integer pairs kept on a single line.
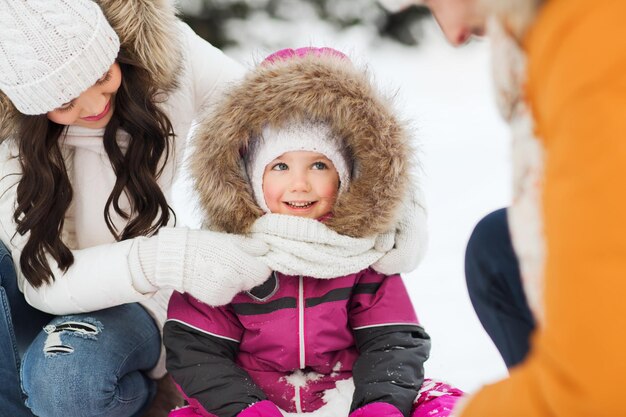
[[573, 83], [95, 114]]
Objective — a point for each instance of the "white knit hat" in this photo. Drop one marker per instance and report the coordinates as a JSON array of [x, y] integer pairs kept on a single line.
[[52, 50], [294, 136]]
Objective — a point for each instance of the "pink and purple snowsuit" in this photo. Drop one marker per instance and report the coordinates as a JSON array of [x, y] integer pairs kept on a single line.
[[361, 325], [243, 359]]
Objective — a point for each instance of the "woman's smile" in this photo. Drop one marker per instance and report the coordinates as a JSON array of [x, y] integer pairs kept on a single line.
[[99, 116]]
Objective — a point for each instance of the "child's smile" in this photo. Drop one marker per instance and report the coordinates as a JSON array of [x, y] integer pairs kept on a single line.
[[299, 206]]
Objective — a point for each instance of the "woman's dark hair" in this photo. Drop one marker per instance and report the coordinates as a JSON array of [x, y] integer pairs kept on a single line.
[[44, 193]]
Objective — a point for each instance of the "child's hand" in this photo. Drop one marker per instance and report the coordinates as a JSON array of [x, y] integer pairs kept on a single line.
[[377, 410], [410, 239], [261, 409], [436, 399]]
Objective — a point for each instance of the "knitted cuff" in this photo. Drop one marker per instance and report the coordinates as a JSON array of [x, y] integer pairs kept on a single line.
[[170, 259], [141, 270]]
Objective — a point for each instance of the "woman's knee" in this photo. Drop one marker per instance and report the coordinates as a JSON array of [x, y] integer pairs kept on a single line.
[[92, 364], [75, 389], [488, 248], [7, 269]]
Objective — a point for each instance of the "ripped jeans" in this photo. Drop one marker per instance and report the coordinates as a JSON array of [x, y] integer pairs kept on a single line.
[[83, 365]]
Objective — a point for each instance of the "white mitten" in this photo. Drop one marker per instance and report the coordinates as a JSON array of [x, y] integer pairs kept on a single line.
[[409, 238], [213, 267]]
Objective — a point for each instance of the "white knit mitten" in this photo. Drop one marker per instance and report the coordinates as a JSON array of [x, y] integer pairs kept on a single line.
[[410, 239], [213, 267]]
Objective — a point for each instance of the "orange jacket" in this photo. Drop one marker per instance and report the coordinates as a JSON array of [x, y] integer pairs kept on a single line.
[[577, 91]]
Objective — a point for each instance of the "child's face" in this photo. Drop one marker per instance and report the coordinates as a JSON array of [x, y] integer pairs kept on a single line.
[[301, 183]]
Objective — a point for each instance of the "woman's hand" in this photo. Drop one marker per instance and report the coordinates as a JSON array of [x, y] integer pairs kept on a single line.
[[219, 266], [406, 244], [213, 267]]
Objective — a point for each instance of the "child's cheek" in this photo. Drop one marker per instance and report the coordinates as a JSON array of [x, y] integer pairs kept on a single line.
[[272, 193], [329, 192], [328, 189]]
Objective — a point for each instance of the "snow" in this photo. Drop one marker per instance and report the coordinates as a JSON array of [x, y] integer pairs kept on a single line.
[[447, 95], [337, 401]]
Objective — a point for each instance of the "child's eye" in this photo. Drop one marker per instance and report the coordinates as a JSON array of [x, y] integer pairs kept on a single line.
[[281, 166], [105, 78], [319, 165]]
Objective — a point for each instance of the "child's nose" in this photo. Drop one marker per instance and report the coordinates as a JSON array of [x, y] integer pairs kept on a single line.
[[300, 182]]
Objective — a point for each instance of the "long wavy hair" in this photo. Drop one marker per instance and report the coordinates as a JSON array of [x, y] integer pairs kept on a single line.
[[44, 192]]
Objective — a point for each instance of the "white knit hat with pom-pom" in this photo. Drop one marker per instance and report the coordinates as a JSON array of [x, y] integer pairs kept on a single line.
[[52, 50]]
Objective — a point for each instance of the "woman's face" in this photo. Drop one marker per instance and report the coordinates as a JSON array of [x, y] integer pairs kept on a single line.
[[458, 19], [95, 106]]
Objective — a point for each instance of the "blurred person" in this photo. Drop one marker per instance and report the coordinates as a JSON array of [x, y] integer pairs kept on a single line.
[[550, 269]]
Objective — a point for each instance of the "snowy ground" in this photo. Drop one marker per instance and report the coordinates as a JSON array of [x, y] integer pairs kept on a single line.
[[447, 94]]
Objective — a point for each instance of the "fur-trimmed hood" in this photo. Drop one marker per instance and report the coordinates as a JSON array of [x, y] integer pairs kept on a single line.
[[147, 29], [325, 88], [516, 15]]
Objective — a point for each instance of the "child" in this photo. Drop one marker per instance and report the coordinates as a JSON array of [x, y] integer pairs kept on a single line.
[[306, 141]]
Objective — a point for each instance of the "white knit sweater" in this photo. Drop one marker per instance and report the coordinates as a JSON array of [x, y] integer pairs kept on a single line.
[[106, 273]]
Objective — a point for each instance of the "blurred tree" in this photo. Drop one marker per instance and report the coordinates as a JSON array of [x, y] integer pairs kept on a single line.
[[210, 18]]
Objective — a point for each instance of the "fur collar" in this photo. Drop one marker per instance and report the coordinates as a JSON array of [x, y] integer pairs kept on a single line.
[[516, 15], [323, 88], [147, 29]]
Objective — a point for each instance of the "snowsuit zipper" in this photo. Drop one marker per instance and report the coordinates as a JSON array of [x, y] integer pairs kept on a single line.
[[301, 347]]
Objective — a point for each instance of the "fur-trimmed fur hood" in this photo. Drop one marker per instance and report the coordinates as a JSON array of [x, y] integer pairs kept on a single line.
[[324, 88], [147, 29]]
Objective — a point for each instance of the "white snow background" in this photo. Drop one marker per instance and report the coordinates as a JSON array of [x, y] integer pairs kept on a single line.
[[447, 95]]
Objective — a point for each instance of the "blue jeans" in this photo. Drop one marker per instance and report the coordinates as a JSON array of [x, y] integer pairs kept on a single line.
[[495, 288], [83, 365]]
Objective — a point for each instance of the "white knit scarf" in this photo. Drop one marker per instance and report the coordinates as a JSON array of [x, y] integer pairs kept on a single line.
[[302, 246]]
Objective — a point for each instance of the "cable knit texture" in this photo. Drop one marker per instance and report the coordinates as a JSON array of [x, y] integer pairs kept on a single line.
[[52, 51], [302, 246], [213, 267]]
